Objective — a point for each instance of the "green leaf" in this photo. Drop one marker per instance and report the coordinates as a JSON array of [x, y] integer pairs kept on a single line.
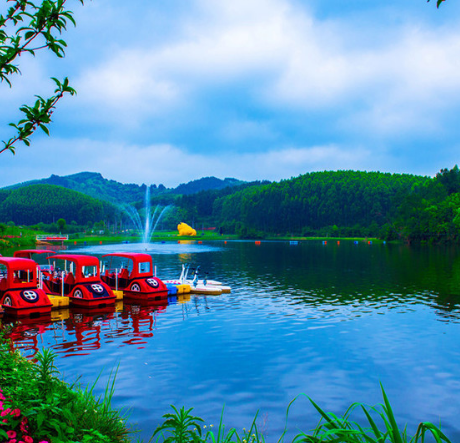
[[45, 129], [394, 427], [375, 429]]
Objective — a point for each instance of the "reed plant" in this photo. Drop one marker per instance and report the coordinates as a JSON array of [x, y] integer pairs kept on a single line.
[[181, 426], [379, 426]]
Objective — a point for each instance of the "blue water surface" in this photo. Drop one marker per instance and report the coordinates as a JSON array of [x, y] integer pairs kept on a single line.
[[331, 321]]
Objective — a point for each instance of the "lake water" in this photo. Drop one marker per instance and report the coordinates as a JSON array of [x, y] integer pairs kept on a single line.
[[331, 321]]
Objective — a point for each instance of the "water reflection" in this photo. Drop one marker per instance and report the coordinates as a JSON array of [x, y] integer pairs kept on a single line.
[[78, 332], [180, 247], [27, 334], [331, 321]]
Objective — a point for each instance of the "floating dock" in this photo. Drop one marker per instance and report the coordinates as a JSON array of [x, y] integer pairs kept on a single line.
[[59, 301], [183, 289]]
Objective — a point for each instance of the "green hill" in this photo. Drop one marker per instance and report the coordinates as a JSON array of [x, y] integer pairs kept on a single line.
[[47, 203], [329, 203], [92, 184], [335, 203], [95, 185], [317, 200], [206, 184]]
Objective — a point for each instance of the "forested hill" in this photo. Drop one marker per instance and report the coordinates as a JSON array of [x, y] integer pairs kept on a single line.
[[92, 184], [305, 204], [334, 203], [341, 203], [47, 203], [95, 185], [206, 184]]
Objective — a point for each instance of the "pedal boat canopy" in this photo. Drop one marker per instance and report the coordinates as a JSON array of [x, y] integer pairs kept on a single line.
[[80, 281], [29, 253], [136, 279], [85, 269], [19, 294]]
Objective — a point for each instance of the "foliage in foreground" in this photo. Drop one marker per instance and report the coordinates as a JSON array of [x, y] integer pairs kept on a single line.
[[182, 427], [27, 28], [38, 405]]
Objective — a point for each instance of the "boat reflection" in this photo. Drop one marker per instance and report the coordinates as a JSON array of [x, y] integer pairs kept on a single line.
[[82, 331], [138, 321], [27, 333]]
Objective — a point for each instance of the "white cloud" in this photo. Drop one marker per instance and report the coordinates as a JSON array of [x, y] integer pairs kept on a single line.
[[171, 165], [293, 161], [236, 131], [245, 76], [289, 59]]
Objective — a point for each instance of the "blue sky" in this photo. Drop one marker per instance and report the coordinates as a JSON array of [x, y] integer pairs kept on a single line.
[[268, 89]]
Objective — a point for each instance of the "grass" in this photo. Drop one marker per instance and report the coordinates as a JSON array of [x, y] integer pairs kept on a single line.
[[38, 405], [22, 237], [156, 237], [16, 237], [172, 236], [329, 239]]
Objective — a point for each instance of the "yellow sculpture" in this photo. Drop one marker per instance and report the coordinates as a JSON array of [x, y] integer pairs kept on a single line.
[[185, 229]]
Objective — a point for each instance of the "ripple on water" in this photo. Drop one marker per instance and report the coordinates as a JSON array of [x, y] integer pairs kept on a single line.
[[332, 329]]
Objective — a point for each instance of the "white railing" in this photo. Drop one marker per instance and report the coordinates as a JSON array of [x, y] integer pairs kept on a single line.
[[51, 237]]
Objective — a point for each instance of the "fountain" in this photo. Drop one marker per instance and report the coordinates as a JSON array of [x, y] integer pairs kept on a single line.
[[146, 228]]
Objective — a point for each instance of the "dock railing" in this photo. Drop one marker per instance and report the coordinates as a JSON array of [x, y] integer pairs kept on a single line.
[[51, 237]]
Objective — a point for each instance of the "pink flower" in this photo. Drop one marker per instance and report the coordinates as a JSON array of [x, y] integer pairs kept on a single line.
[[11, 434], [16, 413], [23, 427], [5, 412], [28, 439], [12, 441]]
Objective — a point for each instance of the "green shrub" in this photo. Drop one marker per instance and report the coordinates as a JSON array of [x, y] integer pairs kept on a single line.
[[48, 409]]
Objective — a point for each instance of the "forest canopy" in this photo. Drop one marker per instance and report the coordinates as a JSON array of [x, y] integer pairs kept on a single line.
[[329, 203]]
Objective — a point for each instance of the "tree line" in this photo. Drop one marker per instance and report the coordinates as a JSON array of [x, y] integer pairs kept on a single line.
[[329, 203], [337, 203]]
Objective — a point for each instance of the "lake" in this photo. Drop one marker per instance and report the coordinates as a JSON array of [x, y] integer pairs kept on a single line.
[[331, 321]]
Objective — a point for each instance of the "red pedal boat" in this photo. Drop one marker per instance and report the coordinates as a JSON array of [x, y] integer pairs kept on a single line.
[[31, 253], [19, 295], [135, 278], [80, 281]]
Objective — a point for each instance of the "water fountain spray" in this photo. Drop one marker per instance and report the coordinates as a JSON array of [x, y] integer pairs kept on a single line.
[[146, 228]]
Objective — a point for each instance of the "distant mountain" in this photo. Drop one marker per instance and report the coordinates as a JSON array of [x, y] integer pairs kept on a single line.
[[206, 184], [92, 184], [95, 185]]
